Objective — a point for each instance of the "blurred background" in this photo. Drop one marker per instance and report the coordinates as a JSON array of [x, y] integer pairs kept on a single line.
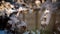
[[29, 16]]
